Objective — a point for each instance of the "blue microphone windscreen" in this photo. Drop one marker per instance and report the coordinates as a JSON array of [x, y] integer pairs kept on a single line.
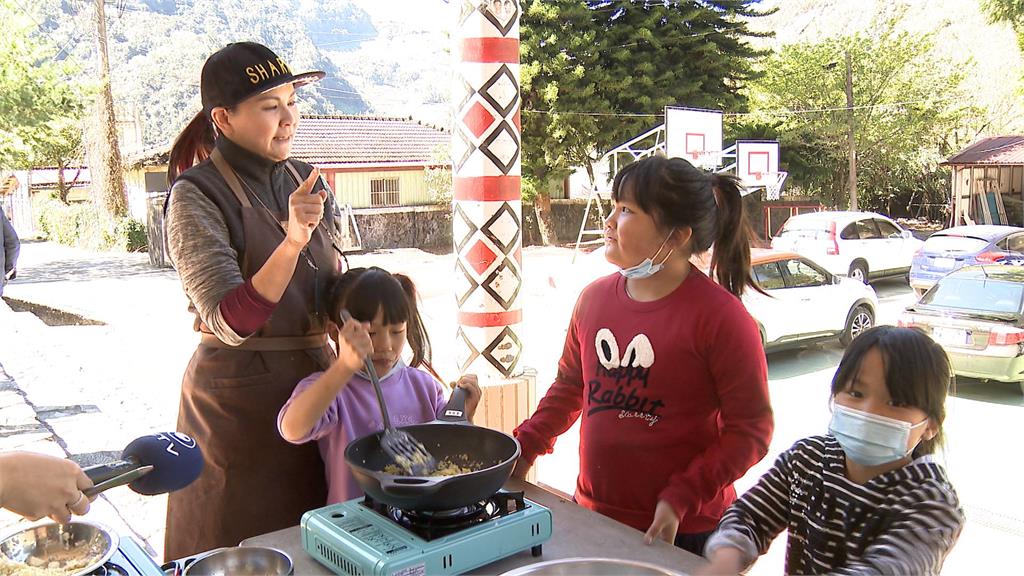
[[175, 457]]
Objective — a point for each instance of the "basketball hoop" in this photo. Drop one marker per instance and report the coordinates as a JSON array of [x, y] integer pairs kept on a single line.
[[708, 160], [773, 185], [757, 176]]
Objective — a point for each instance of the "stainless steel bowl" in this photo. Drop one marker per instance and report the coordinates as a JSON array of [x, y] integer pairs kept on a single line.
[[77, 548], [591, 567], [242, 561]]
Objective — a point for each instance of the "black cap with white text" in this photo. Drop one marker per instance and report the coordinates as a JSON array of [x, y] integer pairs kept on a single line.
[[244, 69]]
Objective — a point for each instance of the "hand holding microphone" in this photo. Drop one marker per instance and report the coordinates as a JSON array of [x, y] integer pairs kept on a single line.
[[36, 485], [154, 464]]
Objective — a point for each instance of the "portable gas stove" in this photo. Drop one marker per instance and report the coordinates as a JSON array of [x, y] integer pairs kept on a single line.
[[129, 560], [362, 537]]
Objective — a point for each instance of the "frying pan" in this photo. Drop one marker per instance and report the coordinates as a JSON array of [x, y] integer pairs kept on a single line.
[[451, 436]]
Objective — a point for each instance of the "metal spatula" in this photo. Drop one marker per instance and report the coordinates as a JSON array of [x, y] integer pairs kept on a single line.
[[408, 453]]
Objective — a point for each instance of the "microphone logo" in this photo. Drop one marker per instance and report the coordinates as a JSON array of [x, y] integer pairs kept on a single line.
[[173, 438], [184, 439]]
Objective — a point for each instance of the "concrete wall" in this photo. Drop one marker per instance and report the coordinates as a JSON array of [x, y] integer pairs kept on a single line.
[[138, 188]]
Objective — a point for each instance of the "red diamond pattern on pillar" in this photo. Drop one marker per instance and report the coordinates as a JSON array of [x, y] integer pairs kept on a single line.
[[480, 257], [478, 119], [518, 121]]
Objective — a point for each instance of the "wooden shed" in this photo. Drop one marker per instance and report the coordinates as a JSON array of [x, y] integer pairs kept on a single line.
[[987, 182]]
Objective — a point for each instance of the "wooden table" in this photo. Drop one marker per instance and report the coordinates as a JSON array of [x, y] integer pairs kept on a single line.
[[576, 532]]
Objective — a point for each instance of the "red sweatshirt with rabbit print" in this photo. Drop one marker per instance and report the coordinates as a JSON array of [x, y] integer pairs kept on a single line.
[[674, 399]]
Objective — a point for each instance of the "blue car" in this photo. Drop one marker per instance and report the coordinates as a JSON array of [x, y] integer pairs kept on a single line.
[[954, 248]]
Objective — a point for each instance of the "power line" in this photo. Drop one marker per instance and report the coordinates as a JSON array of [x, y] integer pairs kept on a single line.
[[31, 17], [844, 108], [617, 114], [741, 114]]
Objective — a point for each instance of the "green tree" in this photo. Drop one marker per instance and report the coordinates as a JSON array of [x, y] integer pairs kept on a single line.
[[38, 96], [438, 176], [596, 73], [1011, 11], [907, 105], [61, 149]]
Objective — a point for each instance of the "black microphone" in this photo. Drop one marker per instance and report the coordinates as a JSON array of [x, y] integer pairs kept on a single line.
[[154, 464]]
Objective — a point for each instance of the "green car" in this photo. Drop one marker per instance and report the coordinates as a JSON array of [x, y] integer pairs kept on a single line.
[[977, 314]]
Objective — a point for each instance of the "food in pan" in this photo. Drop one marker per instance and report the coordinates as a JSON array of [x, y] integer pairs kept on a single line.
[[57, 563], [445, 467], [12, 568]]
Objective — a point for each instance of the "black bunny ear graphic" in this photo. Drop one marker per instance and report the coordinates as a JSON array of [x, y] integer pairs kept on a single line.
[[607, 349]]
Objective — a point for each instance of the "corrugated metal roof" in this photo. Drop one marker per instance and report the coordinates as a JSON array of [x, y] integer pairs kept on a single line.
[[362, 140], [994, 150]]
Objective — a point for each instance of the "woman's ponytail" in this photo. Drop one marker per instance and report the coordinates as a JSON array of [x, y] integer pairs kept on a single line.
[[730, 260], [191, 147]]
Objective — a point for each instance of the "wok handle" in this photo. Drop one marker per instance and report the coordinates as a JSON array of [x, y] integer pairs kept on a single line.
[[411, 485], [455, 409]]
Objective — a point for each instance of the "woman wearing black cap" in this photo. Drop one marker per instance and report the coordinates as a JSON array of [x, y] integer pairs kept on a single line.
[[247, 234]]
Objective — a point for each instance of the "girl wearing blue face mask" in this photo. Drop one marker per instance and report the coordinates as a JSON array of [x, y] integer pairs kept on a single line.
[[664, 366], [868, 497]]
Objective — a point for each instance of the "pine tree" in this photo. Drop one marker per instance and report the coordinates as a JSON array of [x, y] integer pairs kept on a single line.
[[596, 73]]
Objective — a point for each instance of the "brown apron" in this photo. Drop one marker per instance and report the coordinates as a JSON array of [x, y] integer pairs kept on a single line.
[[253, 481]]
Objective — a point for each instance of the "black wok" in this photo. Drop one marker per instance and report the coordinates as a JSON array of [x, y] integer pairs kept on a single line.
[[492, 454]]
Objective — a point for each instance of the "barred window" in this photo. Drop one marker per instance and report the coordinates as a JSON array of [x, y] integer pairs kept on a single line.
[[384, 192]]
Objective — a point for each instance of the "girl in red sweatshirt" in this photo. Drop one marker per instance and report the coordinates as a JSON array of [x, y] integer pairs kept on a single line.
[[665, 366]]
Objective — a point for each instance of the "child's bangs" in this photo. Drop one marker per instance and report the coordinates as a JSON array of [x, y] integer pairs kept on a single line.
[[378, 290], [633, 184]]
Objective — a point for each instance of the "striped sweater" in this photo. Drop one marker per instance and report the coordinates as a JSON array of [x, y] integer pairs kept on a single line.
[[901, 522]]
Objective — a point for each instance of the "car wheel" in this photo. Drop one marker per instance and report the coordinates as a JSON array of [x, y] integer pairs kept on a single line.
[[859, 271], [859, 320]]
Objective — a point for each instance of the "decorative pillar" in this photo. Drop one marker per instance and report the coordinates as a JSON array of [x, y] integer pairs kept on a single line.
[[486, 196]]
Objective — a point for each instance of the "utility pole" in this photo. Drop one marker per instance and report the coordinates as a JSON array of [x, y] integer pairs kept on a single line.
[[851, 133], [106, 167]]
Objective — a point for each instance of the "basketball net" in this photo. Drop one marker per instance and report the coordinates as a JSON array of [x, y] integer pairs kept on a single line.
[[773, 184], [708, 160]]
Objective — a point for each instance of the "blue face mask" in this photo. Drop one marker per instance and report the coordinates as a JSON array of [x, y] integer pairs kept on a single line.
[[869, 439], [648, 268]]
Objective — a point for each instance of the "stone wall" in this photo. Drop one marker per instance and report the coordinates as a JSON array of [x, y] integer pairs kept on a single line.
[[425, 227], [430, 227]]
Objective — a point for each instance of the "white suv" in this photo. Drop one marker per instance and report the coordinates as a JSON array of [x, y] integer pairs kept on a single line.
[[804, 303], [861, 245]]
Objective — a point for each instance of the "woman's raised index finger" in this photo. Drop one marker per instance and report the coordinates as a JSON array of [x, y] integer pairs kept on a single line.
[[307, 185]]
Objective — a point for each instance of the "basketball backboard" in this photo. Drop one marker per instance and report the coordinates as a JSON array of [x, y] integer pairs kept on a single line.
[[757, 161], [695, 135]]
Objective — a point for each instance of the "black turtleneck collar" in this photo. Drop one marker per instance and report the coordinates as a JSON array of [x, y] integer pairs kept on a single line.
[[251, 166]]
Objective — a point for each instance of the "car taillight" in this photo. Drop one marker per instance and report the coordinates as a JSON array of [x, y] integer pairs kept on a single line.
[[832, 250], [1005, 337], [989, 257], [905, 321]]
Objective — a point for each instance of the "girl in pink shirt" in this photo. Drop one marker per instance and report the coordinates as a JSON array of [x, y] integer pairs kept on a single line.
[[338, 406]]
